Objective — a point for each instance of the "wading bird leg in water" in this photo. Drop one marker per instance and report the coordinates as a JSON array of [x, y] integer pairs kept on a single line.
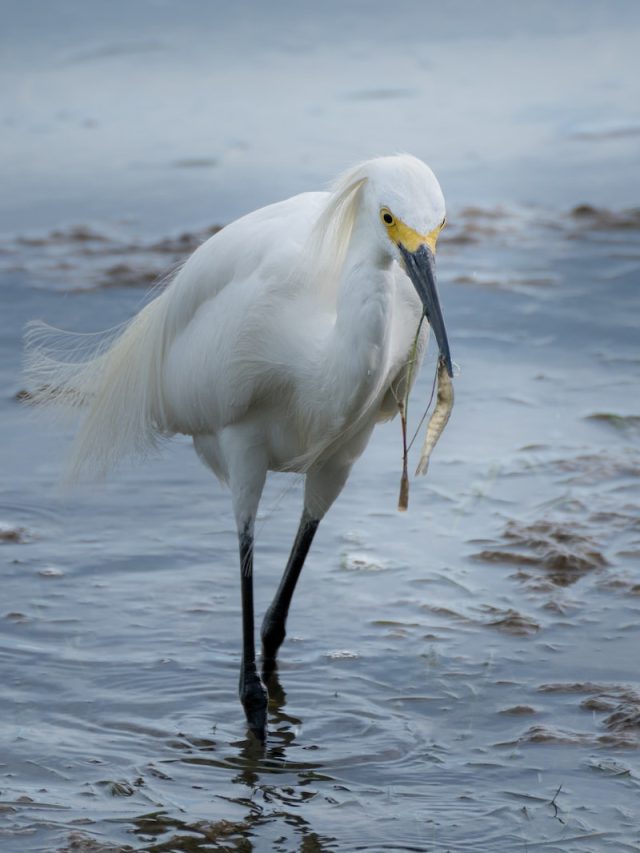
[[322, 486], [274, 624], [247, 469], [251, 690]]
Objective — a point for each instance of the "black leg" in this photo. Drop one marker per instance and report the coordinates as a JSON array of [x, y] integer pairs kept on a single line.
[[273, 627], [252, 693]]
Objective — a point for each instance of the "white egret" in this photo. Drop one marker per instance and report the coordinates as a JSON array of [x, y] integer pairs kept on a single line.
[[278, 345]]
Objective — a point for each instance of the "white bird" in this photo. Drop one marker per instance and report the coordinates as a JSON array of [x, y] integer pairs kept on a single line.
[[278, 345]]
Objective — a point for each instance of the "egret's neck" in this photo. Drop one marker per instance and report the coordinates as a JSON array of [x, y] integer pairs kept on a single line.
[[360, 342]]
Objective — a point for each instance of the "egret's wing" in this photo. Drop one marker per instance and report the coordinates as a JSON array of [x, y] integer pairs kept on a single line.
[[240, 317], [264, 243], [124, 380]]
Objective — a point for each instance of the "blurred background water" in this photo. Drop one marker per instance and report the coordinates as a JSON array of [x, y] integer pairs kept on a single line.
[[183, 112], [462, 677]]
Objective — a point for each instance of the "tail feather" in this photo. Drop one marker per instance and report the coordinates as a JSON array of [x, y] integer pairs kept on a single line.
[[116, 376]]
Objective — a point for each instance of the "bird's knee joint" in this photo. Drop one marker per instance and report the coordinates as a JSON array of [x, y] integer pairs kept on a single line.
[[251, 689], [272, 632]]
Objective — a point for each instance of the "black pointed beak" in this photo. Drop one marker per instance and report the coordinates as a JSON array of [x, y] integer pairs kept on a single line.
[[420, 266]]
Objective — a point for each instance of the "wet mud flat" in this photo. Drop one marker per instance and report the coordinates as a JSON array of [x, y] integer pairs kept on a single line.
[[460, 677]]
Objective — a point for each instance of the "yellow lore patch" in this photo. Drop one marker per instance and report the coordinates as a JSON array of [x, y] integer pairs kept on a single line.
[[410, 239]]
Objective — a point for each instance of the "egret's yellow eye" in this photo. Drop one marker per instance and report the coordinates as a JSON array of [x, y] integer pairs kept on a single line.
[[386, 216]]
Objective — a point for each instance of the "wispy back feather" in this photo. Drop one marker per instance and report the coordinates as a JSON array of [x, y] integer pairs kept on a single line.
[[115, 375]]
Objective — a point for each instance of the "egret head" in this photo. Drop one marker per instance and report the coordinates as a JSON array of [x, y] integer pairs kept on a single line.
[[405, 198]]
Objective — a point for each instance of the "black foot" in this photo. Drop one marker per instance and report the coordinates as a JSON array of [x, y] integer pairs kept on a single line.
[[253, 696]]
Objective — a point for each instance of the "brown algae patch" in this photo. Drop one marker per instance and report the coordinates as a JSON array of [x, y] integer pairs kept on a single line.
[[61, 236], [511, 622], [622, 423], [625, 718], [475, 224], [78, 842], [128, 275], [508, 620], [621, 703], [594, 468], [13, 535], [603, 219], [15, 616], [188, 241], [519, 711], [579, 687], [80, 257], [510, 282], [563, 552], [547, 734]]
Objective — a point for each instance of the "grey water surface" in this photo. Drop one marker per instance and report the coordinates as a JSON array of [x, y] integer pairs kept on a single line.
[[460, 677]]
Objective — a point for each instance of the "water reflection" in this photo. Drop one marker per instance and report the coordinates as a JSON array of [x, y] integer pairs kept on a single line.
[[246, 835], [270, 804]]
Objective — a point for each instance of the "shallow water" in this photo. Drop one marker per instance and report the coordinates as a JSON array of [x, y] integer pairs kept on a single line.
[[463, 676], [460, 677]]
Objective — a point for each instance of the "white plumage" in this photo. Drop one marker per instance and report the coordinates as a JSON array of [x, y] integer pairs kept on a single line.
[[278, 345]]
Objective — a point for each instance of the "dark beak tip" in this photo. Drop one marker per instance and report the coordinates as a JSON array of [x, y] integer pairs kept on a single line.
[[446, 359], [450, 370], [420, 267]]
